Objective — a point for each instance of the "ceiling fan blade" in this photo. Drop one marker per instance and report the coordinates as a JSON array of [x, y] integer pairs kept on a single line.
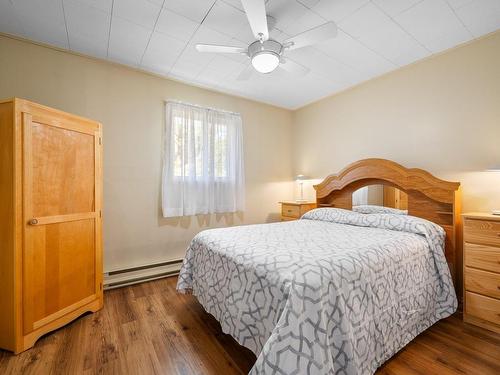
[[295, 68], [219, 49], [246, 73], [313, 36], [256, 14]]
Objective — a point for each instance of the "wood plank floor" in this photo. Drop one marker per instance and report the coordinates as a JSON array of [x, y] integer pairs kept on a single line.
[[150, 329]]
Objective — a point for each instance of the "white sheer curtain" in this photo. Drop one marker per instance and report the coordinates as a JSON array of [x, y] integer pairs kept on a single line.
[[203, 161]]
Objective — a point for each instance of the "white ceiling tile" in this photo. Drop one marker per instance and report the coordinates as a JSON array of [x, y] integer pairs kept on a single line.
[[376, 30], [337, 10], [176, 25], [89, 46], [8, 19], [206, 35], [42, 21], [210, 76], [394, 7], [141, 12], [480, 16], [127, 41], [459, 3], [323, 65], [86, 23], [225, 65], [434, 24], [230, 21], [161, 53], [391, 42], [308, 20], [308, 3], [191, 62], [235, 3], [195, 10], [191, 54], [186, 70], [157, 2], [104, 5], [278, 35], [285, 12], [352, 53], [364, 21], [238, 57]]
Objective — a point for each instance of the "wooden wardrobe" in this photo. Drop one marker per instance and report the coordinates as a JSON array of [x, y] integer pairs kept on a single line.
[[50, 220]]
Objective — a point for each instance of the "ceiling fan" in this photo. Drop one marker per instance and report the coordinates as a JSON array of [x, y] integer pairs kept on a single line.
[[267, 54]]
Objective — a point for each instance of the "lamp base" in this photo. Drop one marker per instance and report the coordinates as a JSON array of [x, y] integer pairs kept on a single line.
[[305, 200], [495, 212]]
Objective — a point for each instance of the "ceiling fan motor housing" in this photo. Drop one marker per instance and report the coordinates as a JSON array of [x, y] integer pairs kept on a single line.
[[268, 46]]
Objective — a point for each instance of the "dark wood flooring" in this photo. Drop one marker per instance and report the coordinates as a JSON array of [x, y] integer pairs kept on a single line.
[[150, 329]]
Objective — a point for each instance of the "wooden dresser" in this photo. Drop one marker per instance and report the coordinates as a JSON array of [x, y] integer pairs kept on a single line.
[[482, 270], [294, 210], [50, 220]]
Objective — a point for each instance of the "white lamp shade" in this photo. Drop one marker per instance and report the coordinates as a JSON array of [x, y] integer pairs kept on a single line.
[[300, 177], [495, 168]]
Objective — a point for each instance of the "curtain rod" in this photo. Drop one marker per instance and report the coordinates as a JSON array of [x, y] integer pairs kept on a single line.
[[201, 107]]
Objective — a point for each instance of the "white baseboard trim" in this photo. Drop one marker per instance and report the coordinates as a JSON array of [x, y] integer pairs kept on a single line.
[[134, 275]]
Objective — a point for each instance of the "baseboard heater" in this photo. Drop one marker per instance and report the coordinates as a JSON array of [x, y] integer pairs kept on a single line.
[[133, 275]]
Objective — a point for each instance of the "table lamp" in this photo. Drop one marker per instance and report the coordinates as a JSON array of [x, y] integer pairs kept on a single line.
[[300, 179]]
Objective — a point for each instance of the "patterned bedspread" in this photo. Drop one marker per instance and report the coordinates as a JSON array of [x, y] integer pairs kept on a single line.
[[336, 292]]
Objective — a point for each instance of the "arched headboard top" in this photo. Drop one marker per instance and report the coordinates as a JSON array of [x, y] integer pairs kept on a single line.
[[428, 197], [392, 173]]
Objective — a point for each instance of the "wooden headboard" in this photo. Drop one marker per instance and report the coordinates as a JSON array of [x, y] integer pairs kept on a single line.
[[428, 197]]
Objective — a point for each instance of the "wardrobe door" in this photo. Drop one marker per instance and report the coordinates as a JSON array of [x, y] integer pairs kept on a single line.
[[61, 209]]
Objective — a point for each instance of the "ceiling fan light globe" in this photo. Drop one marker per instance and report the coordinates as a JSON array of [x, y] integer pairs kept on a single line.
[[265, 61]]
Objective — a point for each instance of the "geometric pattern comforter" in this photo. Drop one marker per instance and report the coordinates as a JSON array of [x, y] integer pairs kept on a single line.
[[336, 292]]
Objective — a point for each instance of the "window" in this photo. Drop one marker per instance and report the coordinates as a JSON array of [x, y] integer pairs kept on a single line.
[[203, 161]]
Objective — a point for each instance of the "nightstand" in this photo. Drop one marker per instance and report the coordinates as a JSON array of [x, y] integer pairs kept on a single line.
[[294, 210], [482, 270]]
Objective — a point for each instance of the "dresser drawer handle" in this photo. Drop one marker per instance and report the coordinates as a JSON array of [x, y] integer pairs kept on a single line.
[[289, 211]]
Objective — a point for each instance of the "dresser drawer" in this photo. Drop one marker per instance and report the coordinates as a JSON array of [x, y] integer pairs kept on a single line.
[[486, 308], [290, 210], [485, 232], [483, 257], [482, 282]]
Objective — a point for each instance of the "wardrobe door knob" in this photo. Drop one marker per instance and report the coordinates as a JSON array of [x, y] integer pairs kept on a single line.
[[33, 222]]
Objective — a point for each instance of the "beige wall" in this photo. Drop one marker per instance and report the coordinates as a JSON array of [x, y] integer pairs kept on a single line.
[[130, 105], [441, 114]]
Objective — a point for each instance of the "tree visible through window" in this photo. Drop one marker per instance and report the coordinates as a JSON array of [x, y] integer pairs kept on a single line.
[[184, 135]]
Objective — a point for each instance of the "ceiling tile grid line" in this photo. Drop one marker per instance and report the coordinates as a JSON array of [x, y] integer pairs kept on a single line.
[[65, 24], [151, 35], [400, 26], [459, 18], [110, 23], [191, 37]]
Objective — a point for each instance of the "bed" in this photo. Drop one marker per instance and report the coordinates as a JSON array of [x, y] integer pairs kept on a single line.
[[336, 292]]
